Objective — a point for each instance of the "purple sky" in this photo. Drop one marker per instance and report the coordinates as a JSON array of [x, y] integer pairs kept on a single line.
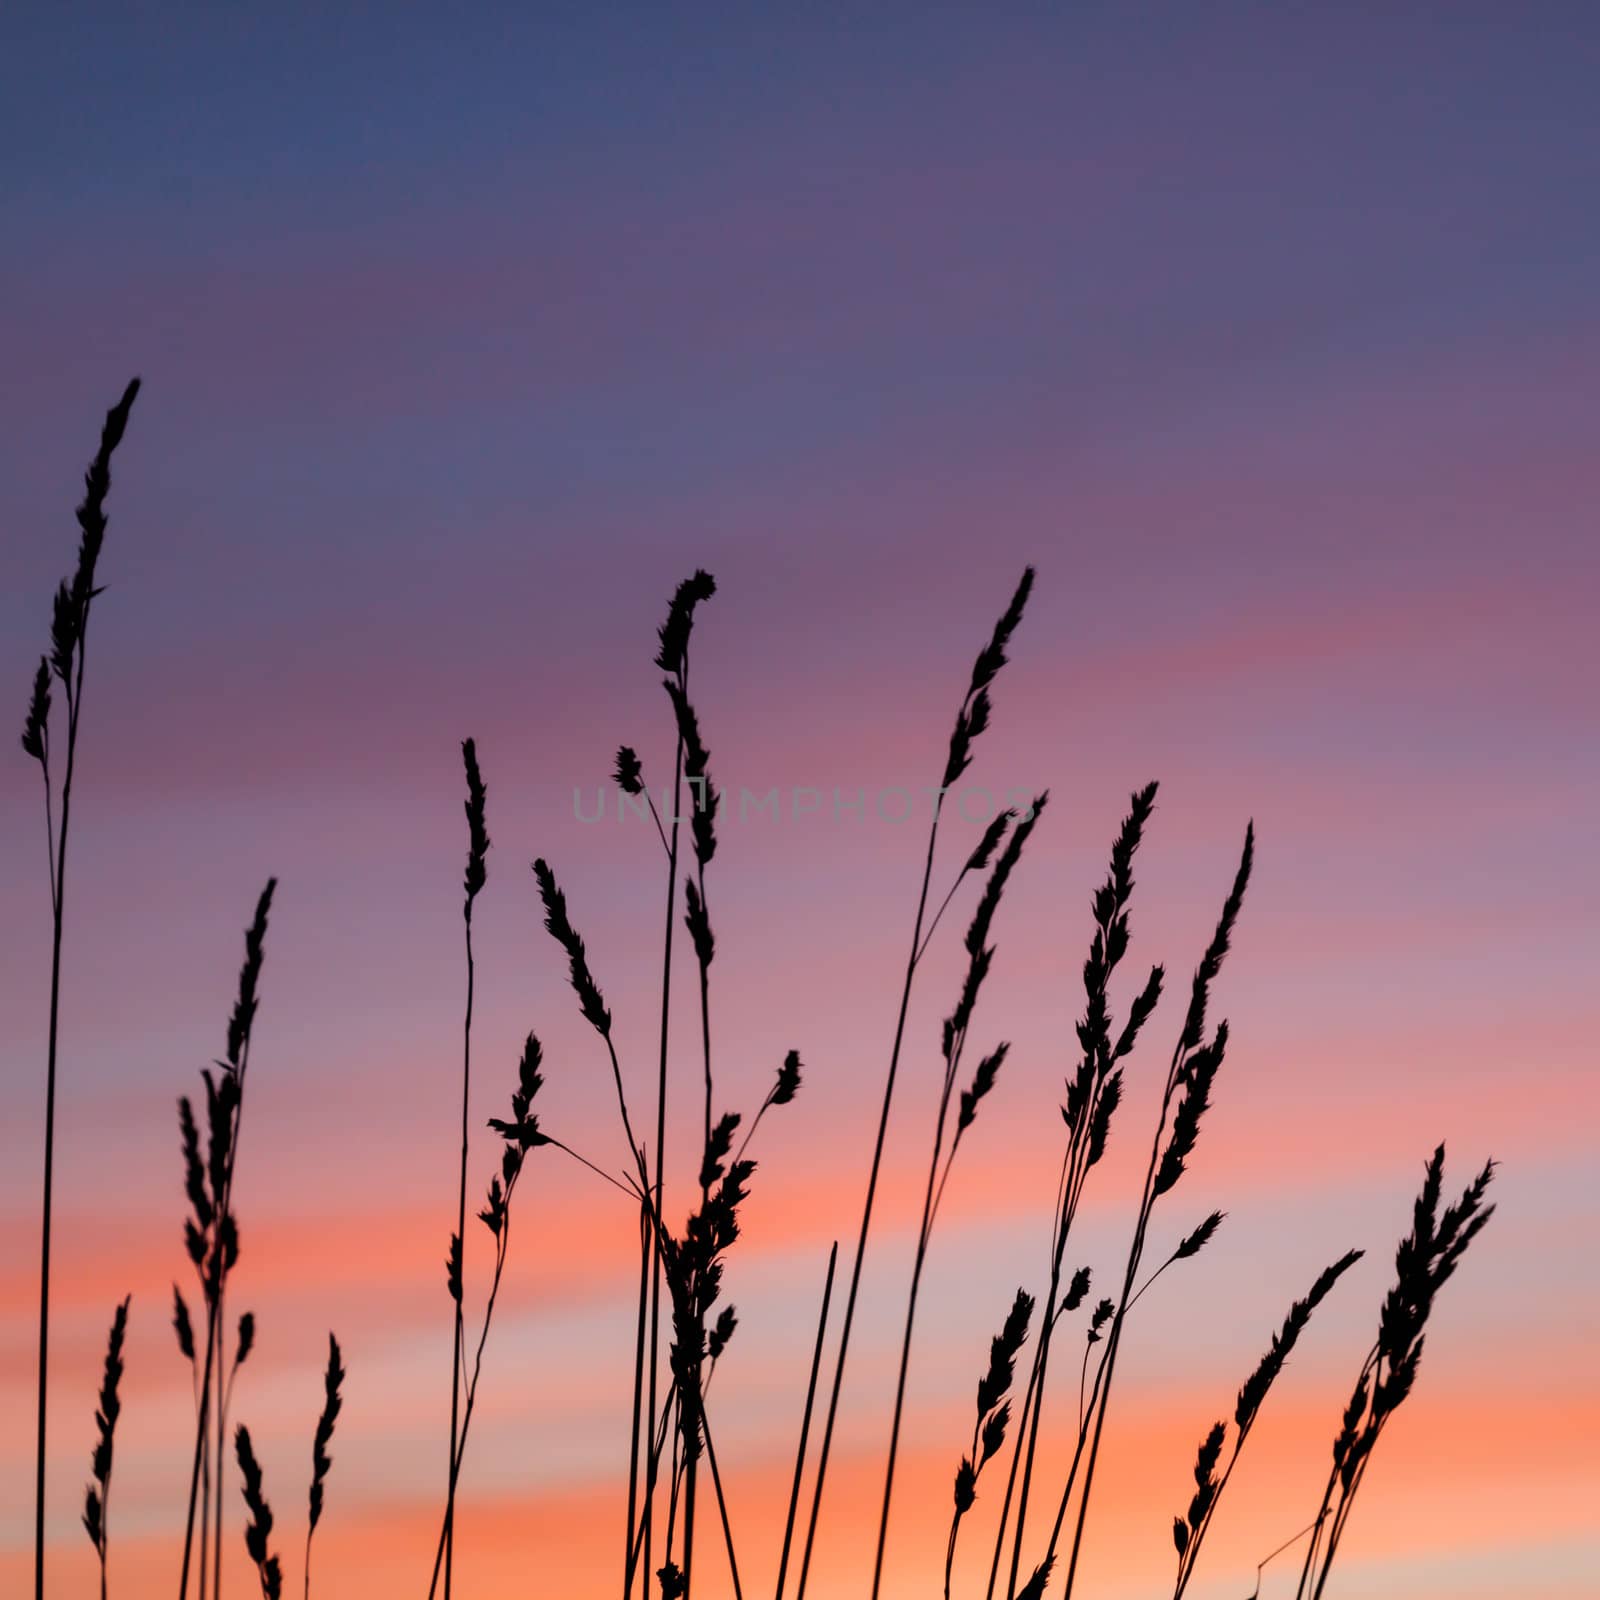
[[1268, 334]]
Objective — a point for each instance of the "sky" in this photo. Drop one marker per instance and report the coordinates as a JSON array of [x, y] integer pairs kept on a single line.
[[1267, 335]]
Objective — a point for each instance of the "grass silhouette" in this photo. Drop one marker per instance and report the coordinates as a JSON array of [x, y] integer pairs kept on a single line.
[[97, 1497], [687, 1269], [211, 1234], [476, 878], [69, 642]]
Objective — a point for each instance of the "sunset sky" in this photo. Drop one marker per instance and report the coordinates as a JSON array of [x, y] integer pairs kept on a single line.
[[1268, 335]]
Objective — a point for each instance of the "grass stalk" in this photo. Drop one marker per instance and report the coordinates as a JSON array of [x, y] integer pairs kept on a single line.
[[1185, 1097], [805, 1420], [97, 1497], [321, 1461], [473, 883], [211, 1234], [1189, 1531], [1425, 1259], [971, 720], [519, 1133], [980, 957], [1094, 1091], [69, 630]]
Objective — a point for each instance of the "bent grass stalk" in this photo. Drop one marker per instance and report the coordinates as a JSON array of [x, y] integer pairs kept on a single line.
[[1425, 1259], [980, 957], [1189, 1531], [994, 1412], [971, 720]]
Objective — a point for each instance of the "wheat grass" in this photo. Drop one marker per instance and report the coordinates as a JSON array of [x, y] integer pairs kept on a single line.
[[1186, 1097], [474, 879], [321, 1461], [519, 1133], [69, 639], [259, 1529], [672, 658], [211, 1234], [972, 718], [994, 1413], [1425, 1259], [97, 1497], [953, 1039], [1093, 1093], [1189, 1530]]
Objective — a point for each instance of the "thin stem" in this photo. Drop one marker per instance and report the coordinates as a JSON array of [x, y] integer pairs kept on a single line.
[[1069, 1190], [1016, 1461], [1077, 1456], [457, 1347], [1114, 1339], [49, 832], [205, 1511], [705, 1196], [705, 1034], [722, 1504], [688, 1515], [923, 1234], [805, 1420], [224, 1211], [933, 924], [58, 894], [655, 817], [216, 1548], [653, 1456], [1368, 1367], [199, 1443], [502, 1247], [645, 1232], [1272, 1555], [583, 1161], [636, 1535], [872, 1189]]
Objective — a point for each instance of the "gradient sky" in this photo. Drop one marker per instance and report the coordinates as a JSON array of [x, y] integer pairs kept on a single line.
[[1268, 334]]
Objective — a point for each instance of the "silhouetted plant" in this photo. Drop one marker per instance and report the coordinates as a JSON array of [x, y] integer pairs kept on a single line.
[[97, 1497], [672, 658], [211, 1233], [676, 1428], [953, 1041], [697, 920], [972, 718], [519, 1134], [805, 1418], [321, 1461], [1185, 1097], [1426, 1258], [259, 1528], [1094, 1091], [69, 638], [475, 879], [1189, 1531], [994, 1412]]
